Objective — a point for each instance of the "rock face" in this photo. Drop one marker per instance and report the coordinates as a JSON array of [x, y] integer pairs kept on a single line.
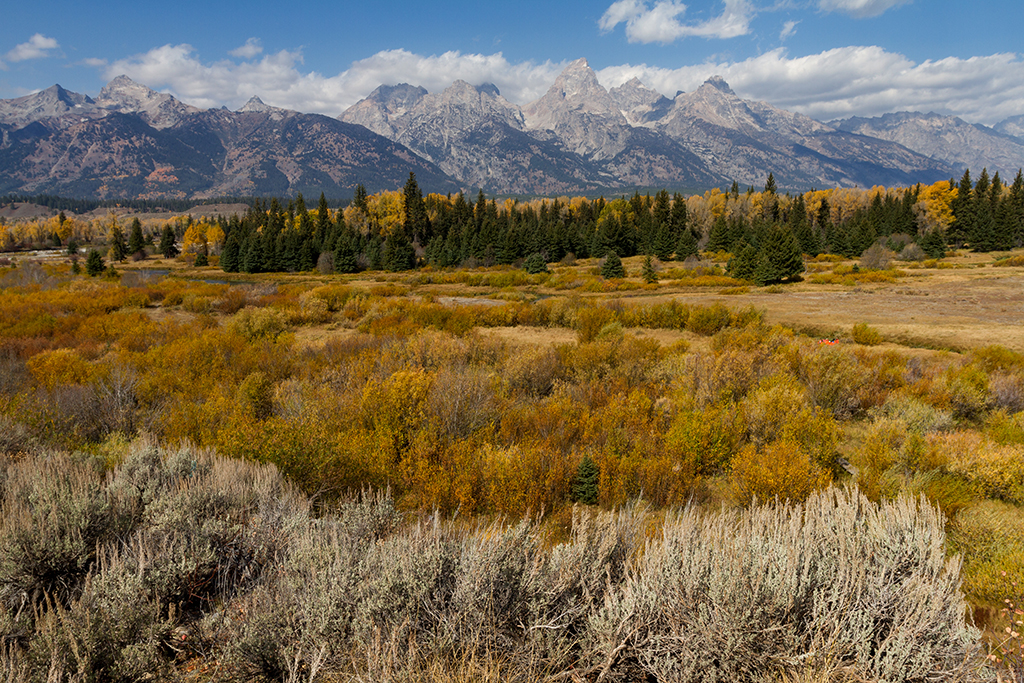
[[631, 136], [575, 138], [159, 110], [746, 140], [578, 137], [476, 135], [53, 103], [958, 143], [639, 104], [134, 142], [1012, 126]]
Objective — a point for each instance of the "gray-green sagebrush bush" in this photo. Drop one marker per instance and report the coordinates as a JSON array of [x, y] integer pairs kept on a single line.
[[97, 567], [194, 558]]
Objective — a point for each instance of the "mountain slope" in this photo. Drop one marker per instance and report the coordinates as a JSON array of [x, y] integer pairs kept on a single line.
[[958, 143], [746, 140], [132, 141]]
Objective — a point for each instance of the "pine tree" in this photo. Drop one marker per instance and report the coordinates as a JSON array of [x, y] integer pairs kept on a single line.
[[136, 240], [744, 265], [800, 226], [720, 237], [229, 255], [94, 263], [933, 243], [168, 242], [649, 274], [612, 267], [686, 246], [983, 236], [417, 223], [398, 253], [585, 484], [962, 207], [535, 263], [118, 247], [780, 257]]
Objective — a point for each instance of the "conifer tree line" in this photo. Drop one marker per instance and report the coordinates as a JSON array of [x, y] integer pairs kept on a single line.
[[766, 233]]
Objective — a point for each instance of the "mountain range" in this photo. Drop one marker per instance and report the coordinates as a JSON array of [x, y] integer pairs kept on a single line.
[[579, 137]]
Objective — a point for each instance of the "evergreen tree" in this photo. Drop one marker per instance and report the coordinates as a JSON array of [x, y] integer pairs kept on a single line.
[[678, 217], [744, 265], [983, 236], [229, 255], [345, 253], [800, 226], [94, 263], [962, 207], [585, 484], [118, 246], [1016, 209], [417, 223], [780, 257], [612, 266], [202, 259], [168, 242], [720, 237], [663, 243], [535, 263], [686, 246], [933, 243], [398, 253], [649, 274], [136, 240]]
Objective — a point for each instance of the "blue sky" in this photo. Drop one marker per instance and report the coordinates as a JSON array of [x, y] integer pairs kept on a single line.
[[824, 58]]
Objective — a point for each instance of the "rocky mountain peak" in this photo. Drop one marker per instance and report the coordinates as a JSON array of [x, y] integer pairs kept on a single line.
[[718, 83], [124, 90], [159, 110], [576, 92], [396, 99], [639, 104], [577, 81], [52, 103], [255, 104]]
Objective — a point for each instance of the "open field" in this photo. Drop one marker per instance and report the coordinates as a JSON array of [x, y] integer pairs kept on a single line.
[[632, 427]]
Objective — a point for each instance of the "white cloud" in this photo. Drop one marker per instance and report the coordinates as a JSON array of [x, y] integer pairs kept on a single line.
[[860, 8], [252, 48], [848, 81], [856, 81], [788, 29], [278, 80], [663, 22], [37, 46]]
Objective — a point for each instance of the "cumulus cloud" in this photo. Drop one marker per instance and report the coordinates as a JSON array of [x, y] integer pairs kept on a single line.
[[252, 48], [37, 46], [278, 80], [860, 8], [663, 23], [847, 81], [855, 81]]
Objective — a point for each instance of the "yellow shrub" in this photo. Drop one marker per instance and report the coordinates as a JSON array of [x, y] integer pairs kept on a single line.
[[994, 471], [782, 470], [769, 408], [259, 323], [590, 320], [866, 335], [59, 367]]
